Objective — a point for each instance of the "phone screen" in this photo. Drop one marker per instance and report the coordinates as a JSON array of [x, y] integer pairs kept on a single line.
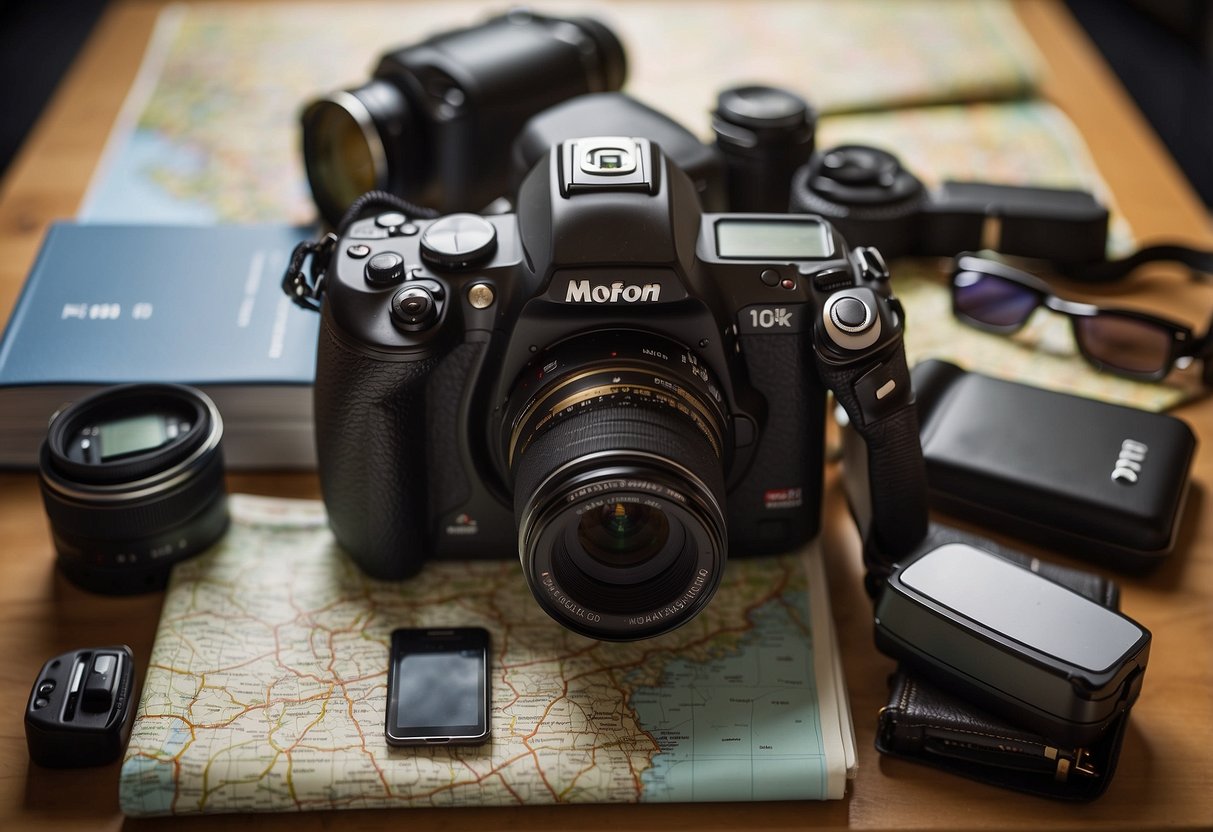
[[438, 687]]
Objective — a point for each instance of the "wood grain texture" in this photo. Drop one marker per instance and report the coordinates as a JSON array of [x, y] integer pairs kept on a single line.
[[1168, 754]]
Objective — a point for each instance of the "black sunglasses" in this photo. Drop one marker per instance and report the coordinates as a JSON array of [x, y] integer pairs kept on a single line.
[[995, 297]]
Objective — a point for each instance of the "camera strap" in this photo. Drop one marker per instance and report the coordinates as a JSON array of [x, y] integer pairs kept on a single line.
[[1198, 260], [303, 281]]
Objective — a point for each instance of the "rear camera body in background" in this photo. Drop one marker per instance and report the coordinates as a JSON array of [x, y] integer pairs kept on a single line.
[[132, 482], [435, 122]]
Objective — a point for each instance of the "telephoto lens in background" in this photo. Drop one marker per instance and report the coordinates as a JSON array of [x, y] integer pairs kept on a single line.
[[435, 123], [132, 481], [764, 134]]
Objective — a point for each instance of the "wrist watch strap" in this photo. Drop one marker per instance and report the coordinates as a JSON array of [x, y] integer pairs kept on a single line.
[[927, 724]]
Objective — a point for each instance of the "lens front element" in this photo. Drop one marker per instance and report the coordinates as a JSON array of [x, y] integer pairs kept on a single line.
[[623, 534]]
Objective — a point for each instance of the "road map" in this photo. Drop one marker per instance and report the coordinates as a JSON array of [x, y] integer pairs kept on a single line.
[[210, 130], [266, 688]]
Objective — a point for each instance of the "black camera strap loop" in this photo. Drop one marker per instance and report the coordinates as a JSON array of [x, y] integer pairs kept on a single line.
[[1198, 260], [306, 288]]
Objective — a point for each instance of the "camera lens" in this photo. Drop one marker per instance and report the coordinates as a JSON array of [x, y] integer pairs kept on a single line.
[[616, 454], [765, 134], [344, 147], [132, 482], [623, 534]]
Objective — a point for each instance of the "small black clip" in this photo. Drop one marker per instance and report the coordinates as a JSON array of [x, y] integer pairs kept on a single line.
[[306, 288]]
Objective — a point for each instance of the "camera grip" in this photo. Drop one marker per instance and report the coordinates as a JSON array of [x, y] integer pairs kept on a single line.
[[896, 487], [789, 456], [370, 442]]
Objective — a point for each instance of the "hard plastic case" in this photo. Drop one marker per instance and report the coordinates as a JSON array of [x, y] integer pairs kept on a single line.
[[1075, 475]]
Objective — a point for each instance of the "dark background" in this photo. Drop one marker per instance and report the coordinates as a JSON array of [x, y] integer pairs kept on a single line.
[[1161, 49]]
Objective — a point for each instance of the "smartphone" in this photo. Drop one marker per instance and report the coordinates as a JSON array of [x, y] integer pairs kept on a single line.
[[1013, 641], [438, 687]]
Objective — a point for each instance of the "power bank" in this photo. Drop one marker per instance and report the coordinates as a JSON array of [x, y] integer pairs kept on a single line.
[[1013, 642], [1073, 474]]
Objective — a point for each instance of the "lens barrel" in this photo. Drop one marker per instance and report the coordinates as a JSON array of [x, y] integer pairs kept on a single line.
[[765, 134], [619, 490], [132, 483]]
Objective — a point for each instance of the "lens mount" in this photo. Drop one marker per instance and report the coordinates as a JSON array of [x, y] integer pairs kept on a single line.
[[132, 482], [604, 370], [615, 443]]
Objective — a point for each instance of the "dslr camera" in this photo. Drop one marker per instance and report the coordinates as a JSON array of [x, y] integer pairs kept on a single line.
[[626, 386]]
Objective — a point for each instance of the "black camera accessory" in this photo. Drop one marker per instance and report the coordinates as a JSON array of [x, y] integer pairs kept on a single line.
[[81, 708], [132, 482], [1067, 472], [1013, 642], [435, 122], [998, 298], [765, 134], [929, 724], [874, 201], [438, 690]]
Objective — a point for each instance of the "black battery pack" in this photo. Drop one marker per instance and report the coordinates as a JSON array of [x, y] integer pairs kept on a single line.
[[1075, 475]]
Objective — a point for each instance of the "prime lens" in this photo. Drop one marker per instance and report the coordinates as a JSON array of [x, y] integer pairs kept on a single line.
[[132, 482], [619, 486], [765, 134]]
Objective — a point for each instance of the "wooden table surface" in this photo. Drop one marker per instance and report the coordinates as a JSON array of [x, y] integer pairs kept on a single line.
[[1165, 776]]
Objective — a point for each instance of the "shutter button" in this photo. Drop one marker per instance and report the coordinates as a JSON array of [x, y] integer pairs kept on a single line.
[[851, 315]]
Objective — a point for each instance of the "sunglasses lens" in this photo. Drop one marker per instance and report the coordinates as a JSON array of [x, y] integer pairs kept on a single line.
[[990, 301], [1124, 344]]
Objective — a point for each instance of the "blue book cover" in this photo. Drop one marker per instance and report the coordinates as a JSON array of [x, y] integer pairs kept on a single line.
[[199, 305]]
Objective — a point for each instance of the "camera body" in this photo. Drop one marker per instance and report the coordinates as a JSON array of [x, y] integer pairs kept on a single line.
[[608, 371]]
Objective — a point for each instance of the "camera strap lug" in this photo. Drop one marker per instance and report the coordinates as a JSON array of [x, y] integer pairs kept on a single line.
[[306, 287]]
